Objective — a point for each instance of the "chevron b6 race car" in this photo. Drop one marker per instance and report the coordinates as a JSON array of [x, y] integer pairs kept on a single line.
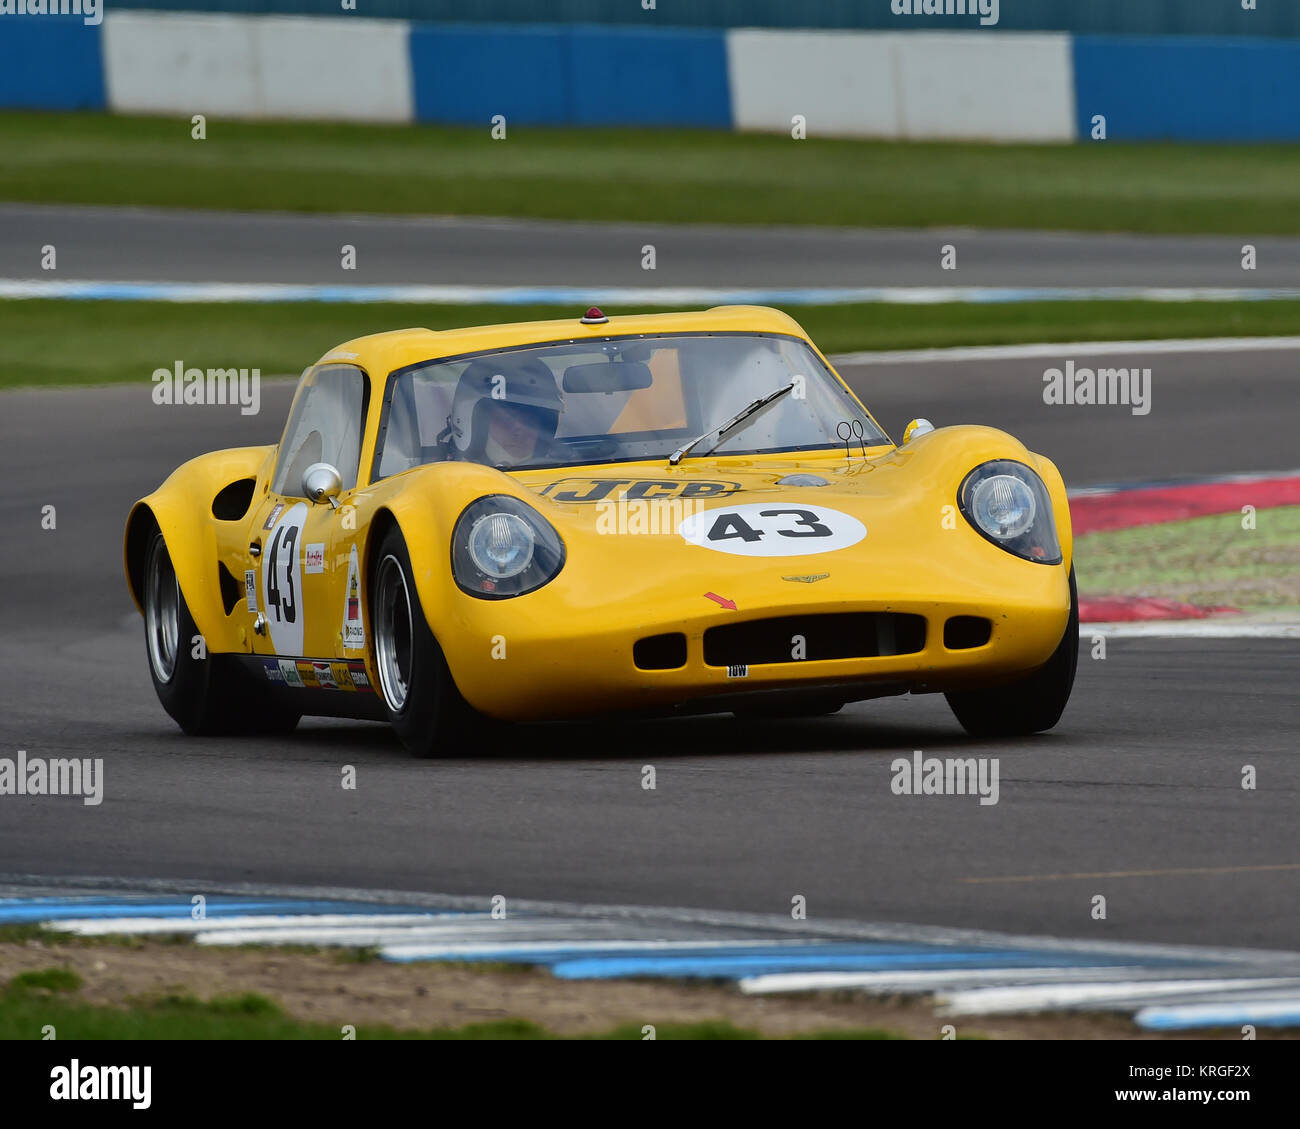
[[659, 514]]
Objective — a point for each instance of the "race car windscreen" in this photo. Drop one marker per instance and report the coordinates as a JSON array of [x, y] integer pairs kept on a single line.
[[614, 400]]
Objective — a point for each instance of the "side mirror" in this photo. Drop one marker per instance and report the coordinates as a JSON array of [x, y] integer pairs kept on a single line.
[[320, 481], [915, 428]]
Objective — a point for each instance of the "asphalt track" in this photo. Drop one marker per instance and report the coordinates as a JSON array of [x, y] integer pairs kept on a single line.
[[157, 244], [1136, 795]]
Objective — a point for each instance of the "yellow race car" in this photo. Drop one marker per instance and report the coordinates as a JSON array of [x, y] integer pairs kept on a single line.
[[659, 514]]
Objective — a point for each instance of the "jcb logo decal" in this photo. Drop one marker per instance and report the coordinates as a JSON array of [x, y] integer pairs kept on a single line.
[[633, 489]]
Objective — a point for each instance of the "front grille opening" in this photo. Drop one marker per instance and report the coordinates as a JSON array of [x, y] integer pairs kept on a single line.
[[660, 652], [232, 590], [814, 638], [232, 502], [962, 632]]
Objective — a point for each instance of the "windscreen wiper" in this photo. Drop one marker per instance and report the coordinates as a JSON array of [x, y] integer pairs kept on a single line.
[[734, 422]]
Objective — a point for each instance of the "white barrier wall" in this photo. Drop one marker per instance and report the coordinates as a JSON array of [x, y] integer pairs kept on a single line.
[[279, 67], [915, 85]]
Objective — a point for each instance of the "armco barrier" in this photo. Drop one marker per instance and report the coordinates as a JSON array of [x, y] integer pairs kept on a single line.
[[285, 67], [581, 75], [1188, 88], [1096, 17], [942, 85], [929, 85], [50, 64]]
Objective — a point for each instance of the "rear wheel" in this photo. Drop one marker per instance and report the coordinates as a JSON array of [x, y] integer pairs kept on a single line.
[[423, 704], [203, 693], [1032, 704]]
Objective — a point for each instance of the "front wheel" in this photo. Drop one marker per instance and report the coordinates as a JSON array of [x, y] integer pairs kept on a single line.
[[1032, 704], [423, 704], [204, 694]]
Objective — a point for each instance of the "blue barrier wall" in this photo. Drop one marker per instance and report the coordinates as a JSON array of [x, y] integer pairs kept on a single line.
[[1112, 17], [51, 63], [1149, 88], [1188, 89], [584, 75]]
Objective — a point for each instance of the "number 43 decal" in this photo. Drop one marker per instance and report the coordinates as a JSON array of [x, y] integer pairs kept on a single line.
[[282, 581], [733, 525], [772, 531]]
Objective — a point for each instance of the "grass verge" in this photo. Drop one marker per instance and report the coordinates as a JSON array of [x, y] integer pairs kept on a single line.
[[50, 342], [29, 1004], [1206, 561], [647, 175]]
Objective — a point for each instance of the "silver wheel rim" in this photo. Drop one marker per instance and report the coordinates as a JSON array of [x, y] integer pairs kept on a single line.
[[162, 613], [393, 633]]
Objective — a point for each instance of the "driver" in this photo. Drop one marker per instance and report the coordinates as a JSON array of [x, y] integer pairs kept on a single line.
[[506, 415]]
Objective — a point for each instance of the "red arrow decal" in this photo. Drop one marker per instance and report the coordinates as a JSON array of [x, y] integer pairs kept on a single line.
[[722, 600]]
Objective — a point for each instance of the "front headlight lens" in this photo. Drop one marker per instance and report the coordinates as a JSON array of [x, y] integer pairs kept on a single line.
[[1008, 504], [502, 547], [1003, 506]]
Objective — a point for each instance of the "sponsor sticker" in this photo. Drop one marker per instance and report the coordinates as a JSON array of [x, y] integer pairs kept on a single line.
[[354, 632], [271, 518], [359, 678], [342, 676], [324, 676], [634, 489], [306, 675], [741, 671], [273, 671], [250, 589], [313, 557]]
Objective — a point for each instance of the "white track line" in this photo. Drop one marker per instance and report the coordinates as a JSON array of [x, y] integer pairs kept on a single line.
[[1050, 350], [1192, 629], [494, 933], [921, 981], [113, 926], [1050, 997], [413, 951], [165, 291]]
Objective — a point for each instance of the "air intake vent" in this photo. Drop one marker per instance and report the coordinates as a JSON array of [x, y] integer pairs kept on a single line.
[[233, 501], [660, 652], [847, 635], [962, 632]]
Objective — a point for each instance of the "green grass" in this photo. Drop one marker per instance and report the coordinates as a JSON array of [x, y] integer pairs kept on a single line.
[[26, 1009], [47, 979], [47, 342], [1207, 561], [647, 175]]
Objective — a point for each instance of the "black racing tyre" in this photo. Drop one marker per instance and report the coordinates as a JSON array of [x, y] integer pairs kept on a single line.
[[1032, 704], [205, 694], [420, 697]]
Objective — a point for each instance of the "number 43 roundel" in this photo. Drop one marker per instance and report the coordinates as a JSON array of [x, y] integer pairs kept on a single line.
[[772, 530], [282, 581]]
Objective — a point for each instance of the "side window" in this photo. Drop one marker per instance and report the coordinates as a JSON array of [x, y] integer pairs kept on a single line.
[[329, 411]]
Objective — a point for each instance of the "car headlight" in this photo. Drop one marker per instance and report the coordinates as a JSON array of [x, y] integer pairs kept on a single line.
[[502, 547], [1007, 503]]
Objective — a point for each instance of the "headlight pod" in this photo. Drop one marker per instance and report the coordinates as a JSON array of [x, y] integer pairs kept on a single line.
[[502, 547], [1008, 504]]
